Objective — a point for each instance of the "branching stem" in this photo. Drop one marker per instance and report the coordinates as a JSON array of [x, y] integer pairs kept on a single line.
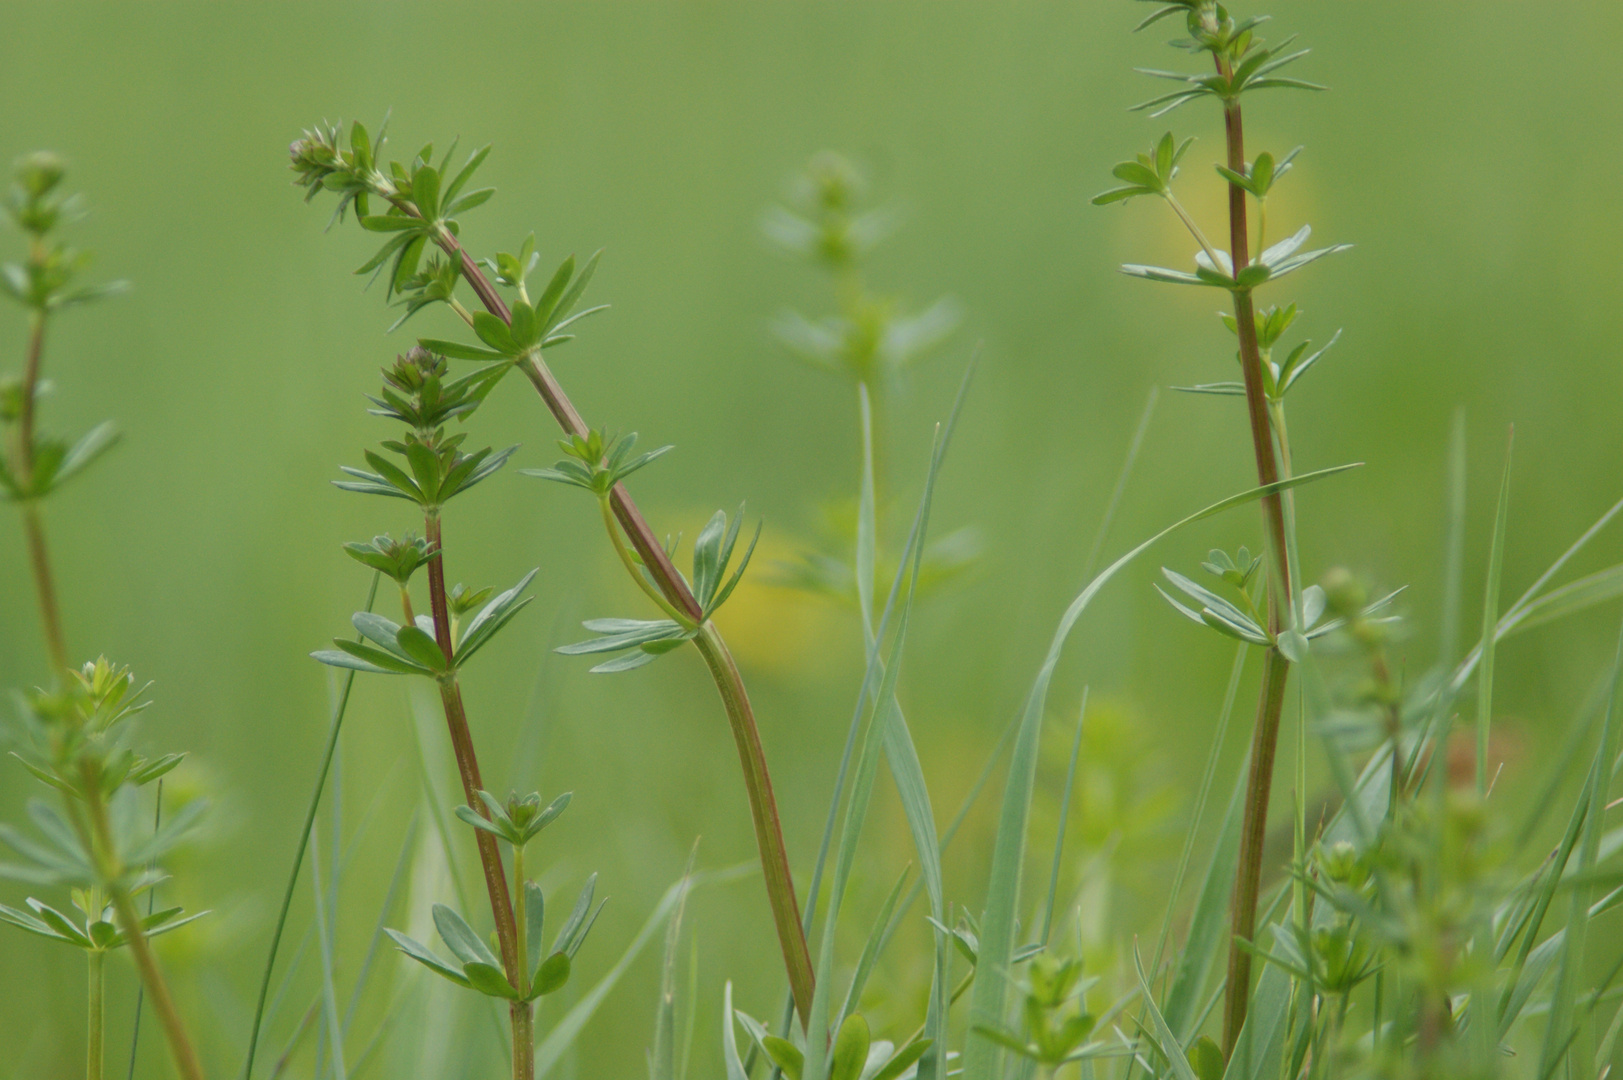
[[729, 683]]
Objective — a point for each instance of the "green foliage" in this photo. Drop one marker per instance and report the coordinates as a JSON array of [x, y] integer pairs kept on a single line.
[[1055, 1025], [516, 822], [597, 462], [96, 930], [411, 649], [476, 967], [642, 641], [397, 560], [869, 341]]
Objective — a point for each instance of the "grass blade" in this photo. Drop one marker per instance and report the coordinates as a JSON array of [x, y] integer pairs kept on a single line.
[[298, 858], [395, 879], [560, 1038], [662, 1058], [1064, 812], [1208, 925], [1559, 1031], [1490, 624], [329, 997], [1116, 493], [1454, 553]]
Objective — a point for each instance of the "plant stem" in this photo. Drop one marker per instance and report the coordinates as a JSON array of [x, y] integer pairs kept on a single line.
[[780, 887], [50, 615], [1276, 669], [757, 780], [98, 1015], [33, 523], [467, 763], [129, 923], [521, 1017], [1253, 830], [1194, 230], [617, 538]]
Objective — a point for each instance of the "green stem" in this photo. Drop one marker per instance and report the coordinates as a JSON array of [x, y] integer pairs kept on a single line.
[[521, 919], [521, 1018], [98, 1015], [780, 887], [1194, 230], [522, 1013]]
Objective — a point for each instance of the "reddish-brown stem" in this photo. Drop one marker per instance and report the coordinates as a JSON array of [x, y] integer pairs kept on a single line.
[[50, 615], [730, 684], [1276, 669], [25, 417], [467, 764], [1248, 877], [33, 523], [764, 811], [563, 410]]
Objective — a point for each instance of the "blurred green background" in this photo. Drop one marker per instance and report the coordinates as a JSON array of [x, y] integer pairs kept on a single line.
[[1469, 152]]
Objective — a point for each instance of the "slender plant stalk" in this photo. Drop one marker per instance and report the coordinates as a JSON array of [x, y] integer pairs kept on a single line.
[[522, 1012], [764, 810], [152, 903], [97, 1020], [129, 924], [730, 684], [33, 522], [1276, 669], [97, 834], [304, 843], [467, 763]]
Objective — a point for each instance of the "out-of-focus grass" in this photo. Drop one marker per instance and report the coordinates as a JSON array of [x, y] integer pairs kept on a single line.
[[1483, 277]]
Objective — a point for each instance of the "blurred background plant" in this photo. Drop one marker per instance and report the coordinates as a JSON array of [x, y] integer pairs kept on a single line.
[[992, 126]]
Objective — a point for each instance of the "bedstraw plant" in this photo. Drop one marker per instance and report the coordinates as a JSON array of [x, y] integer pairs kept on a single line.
[[76, 730], [1416, 928]]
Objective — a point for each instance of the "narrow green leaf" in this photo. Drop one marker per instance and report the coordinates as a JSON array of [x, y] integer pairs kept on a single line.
[[1490, 623]]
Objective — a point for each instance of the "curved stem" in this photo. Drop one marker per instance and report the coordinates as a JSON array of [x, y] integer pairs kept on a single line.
[[780, 887], [757, 781]]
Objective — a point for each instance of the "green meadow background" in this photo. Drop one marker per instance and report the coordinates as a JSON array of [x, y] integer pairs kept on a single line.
[[1469, 151]]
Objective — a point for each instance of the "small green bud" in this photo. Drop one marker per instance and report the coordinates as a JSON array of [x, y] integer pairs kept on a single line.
[[1344, 594], [40, 172], [1340, 863]]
